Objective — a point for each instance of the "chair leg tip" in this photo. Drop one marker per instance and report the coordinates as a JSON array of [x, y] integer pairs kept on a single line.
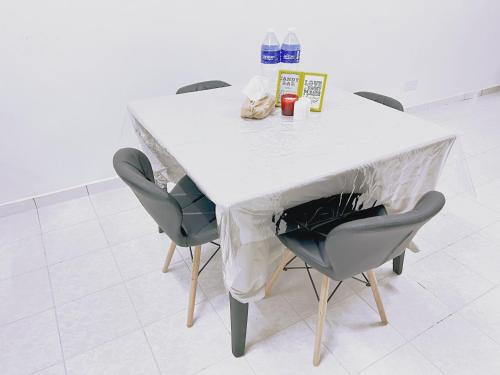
[[316, 359]]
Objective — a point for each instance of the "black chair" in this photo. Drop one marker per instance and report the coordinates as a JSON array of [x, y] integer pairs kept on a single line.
[[397, 263], [382, 99], [351, 247], [200, 86], [185, 214]]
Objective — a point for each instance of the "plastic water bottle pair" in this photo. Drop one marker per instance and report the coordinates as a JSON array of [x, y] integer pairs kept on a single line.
[[272, 54], [288, 53]]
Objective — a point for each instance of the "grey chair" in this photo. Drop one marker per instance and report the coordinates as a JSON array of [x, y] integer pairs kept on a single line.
[[382, 99], [354, 247], [185, 214], [397, 263], [200, 86]]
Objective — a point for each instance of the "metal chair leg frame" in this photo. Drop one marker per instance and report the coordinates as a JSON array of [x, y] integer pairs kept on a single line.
[[288, 258]]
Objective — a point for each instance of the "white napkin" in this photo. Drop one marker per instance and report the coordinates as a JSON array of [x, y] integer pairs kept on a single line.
[[257, 88]]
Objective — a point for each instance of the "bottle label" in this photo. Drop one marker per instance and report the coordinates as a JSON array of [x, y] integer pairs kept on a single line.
[[290, 57], [270, 57]]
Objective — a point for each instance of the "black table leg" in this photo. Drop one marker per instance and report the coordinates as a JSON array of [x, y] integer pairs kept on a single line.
[[397, 263], [239, 317]]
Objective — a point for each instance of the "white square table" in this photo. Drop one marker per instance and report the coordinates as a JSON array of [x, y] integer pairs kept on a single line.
[[252, 169]]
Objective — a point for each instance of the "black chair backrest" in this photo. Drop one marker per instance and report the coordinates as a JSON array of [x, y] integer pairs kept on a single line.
[[382, 99], [200, 86], [135, 170], [365, 244]]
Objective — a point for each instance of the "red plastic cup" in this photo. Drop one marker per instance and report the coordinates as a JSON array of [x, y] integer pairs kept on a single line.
[[288, 103]]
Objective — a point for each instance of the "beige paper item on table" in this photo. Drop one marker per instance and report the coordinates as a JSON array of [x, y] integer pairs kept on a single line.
[[257, 109]]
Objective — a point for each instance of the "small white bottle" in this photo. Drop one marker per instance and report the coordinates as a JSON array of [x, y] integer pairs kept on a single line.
[[301, 109]]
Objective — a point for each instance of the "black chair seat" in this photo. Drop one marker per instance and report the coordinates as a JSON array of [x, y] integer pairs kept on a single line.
[[199, 222], [382, 99], [310, 246], [202, 86], [186, 192]]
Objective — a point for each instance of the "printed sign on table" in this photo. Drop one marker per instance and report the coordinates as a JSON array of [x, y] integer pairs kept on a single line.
[[288, 83], [309, 85]]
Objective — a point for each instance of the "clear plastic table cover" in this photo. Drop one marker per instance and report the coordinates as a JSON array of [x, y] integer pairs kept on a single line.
[[254, 169]]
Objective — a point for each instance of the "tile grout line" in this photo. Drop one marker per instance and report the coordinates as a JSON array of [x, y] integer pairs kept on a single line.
[[222, 360], [26, 316], [405, 340], [423, 355], [52, 295], [409, 341], [324, 346], [90, 293], [419, 351], [356, 293], [438, 250], [128, 293], [87, 220], [452, 310], [399, 347], [123, 282], [189, 266], [229, 331], [78, 256], [46, 368], [442, 250], [484, 278], [385, 355], [24, 273], [137, 329], [460, 312], [106, 247], [452, 313]]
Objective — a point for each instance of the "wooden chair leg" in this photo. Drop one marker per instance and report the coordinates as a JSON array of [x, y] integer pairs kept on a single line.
[[287, 256], [376, 295], [194, 284], [170, 254], [323, 301]]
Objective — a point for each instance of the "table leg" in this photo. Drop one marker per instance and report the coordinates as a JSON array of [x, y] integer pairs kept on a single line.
[[397, 263], [239, 317]]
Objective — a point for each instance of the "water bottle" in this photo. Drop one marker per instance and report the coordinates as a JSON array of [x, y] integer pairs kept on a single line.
[[270, 59], [290, 51]]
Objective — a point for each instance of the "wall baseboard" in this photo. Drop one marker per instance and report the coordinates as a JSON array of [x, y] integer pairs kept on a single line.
[[95, 187], [15, 207], [453, 99], [33, 203]]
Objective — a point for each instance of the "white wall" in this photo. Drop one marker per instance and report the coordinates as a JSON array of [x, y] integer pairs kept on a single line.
[[68, 68]]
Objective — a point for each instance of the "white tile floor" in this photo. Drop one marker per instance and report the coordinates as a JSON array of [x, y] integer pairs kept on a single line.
[[81, 291]]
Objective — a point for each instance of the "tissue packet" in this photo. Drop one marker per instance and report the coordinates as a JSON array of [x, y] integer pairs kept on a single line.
[[257, 109], [259, 103]]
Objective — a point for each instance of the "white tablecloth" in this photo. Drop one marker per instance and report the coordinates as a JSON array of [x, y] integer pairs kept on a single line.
[[253, 169]]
